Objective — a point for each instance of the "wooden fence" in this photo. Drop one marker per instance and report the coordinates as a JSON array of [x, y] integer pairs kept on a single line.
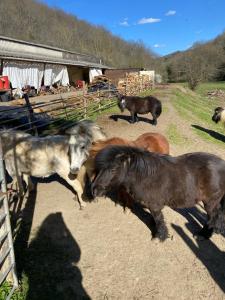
[[48, 116]]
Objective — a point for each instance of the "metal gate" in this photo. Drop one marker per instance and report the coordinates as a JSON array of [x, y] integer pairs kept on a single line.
[[7, 257], [37, 118]]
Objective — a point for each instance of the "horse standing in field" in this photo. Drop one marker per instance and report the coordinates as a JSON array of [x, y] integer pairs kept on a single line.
[[26, 155], [219, 115], [156, 180], [140, 105]]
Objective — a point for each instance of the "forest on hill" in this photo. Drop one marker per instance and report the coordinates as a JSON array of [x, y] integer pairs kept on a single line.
[[30, 20], [33, 21], [202, 62]]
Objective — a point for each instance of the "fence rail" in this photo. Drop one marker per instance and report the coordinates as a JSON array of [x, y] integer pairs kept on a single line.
[[39, 117], [7, 257]]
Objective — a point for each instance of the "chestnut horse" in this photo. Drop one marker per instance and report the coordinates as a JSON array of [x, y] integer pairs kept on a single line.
[[150, 141]]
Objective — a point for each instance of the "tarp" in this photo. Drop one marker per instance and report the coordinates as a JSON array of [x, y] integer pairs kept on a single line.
[[56, 74], [26, 73], [94, 72], [23, 73]]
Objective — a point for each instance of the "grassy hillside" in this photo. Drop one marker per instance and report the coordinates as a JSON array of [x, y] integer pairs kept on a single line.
[[197, 109], [31, 20]]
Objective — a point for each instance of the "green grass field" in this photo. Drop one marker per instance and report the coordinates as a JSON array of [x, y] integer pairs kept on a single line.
[[198, 109]]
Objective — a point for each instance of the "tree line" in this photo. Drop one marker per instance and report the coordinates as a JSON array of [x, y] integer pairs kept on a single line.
[[34, 21], [202, 62]]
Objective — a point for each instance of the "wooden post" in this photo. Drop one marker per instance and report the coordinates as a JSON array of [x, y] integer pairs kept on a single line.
[[84, 87], [126, 81], [64, 107], [1, 66], [30, 115], [8, 268], [85, 106]]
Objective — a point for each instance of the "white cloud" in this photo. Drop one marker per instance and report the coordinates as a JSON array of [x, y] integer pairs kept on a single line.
[[148, 20], [159, 46], [170, 13], [124, 22]]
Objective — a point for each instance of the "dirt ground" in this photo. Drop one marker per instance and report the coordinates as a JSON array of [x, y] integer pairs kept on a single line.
[[109, 254]]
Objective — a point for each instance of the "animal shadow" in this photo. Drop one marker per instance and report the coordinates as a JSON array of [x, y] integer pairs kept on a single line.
[[128, 118], [212, 133], [196, 218], [138, 210], [51, 263], [209, 254]]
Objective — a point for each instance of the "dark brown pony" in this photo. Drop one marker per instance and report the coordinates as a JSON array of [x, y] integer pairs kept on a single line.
[[155, 180], [140, 105], [150, 141]]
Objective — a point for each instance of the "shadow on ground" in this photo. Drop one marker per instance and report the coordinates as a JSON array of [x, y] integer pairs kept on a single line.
[[48, 262], [206, 251], [209, 254], [212, 133], [128, 118]]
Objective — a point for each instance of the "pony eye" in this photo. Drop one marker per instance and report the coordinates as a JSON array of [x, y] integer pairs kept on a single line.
[[82, 147]]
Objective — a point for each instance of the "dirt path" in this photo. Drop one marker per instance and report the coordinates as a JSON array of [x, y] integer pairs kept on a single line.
[[108, 254]]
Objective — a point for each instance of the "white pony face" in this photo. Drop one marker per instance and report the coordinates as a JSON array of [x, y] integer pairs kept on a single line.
[[122, 104], [78, 152]]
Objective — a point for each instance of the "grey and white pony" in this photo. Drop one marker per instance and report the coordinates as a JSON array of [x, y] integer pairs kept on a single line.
[[26, 155]]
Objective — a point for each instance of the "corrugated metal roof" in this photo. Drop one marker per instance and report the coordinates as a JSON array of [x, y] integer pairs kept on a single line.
[[22, 50]]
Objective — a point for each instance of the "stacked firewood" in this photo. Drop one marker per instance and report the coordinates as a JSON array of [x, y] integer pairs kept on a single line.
[[100, 78], [134, 83], [216, 93], [54, 90]]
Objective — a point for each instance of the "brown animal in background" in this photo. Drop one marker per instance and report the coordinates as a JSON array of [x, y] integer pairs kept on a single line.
[[150, 141]]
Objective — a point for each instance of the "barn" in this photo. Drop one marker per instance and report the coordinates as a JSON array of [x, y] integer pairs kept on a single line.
[[36, 65]]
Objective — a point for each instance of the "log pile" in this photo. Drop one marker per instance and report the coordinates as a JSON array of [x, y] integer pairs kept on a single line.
[[134, 83], [100, 78], [54, 90], [216, 93]]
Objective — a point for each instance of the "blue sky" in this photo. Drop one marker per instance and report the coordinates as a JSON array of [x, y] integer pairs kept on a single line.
[[163, 25]]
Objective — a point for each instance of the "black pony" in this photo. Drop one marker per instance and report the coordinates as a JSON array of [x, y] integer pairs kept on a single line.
[[155, 180], [140, 105]]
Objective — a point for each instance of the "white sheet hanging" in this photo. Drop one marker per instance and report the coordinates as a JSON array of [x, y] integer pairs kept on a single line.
[[94, 72], [23, 73], [54, 74]]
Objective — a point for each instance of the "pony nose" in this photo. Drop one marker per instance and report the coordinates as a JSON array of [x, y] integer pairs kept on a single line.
[[215, 118], [74, 170]]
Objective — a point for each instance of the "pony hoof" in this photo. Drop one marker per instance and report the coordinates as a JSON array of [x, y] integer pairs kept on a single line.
[[156, 240], [82, 206]]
